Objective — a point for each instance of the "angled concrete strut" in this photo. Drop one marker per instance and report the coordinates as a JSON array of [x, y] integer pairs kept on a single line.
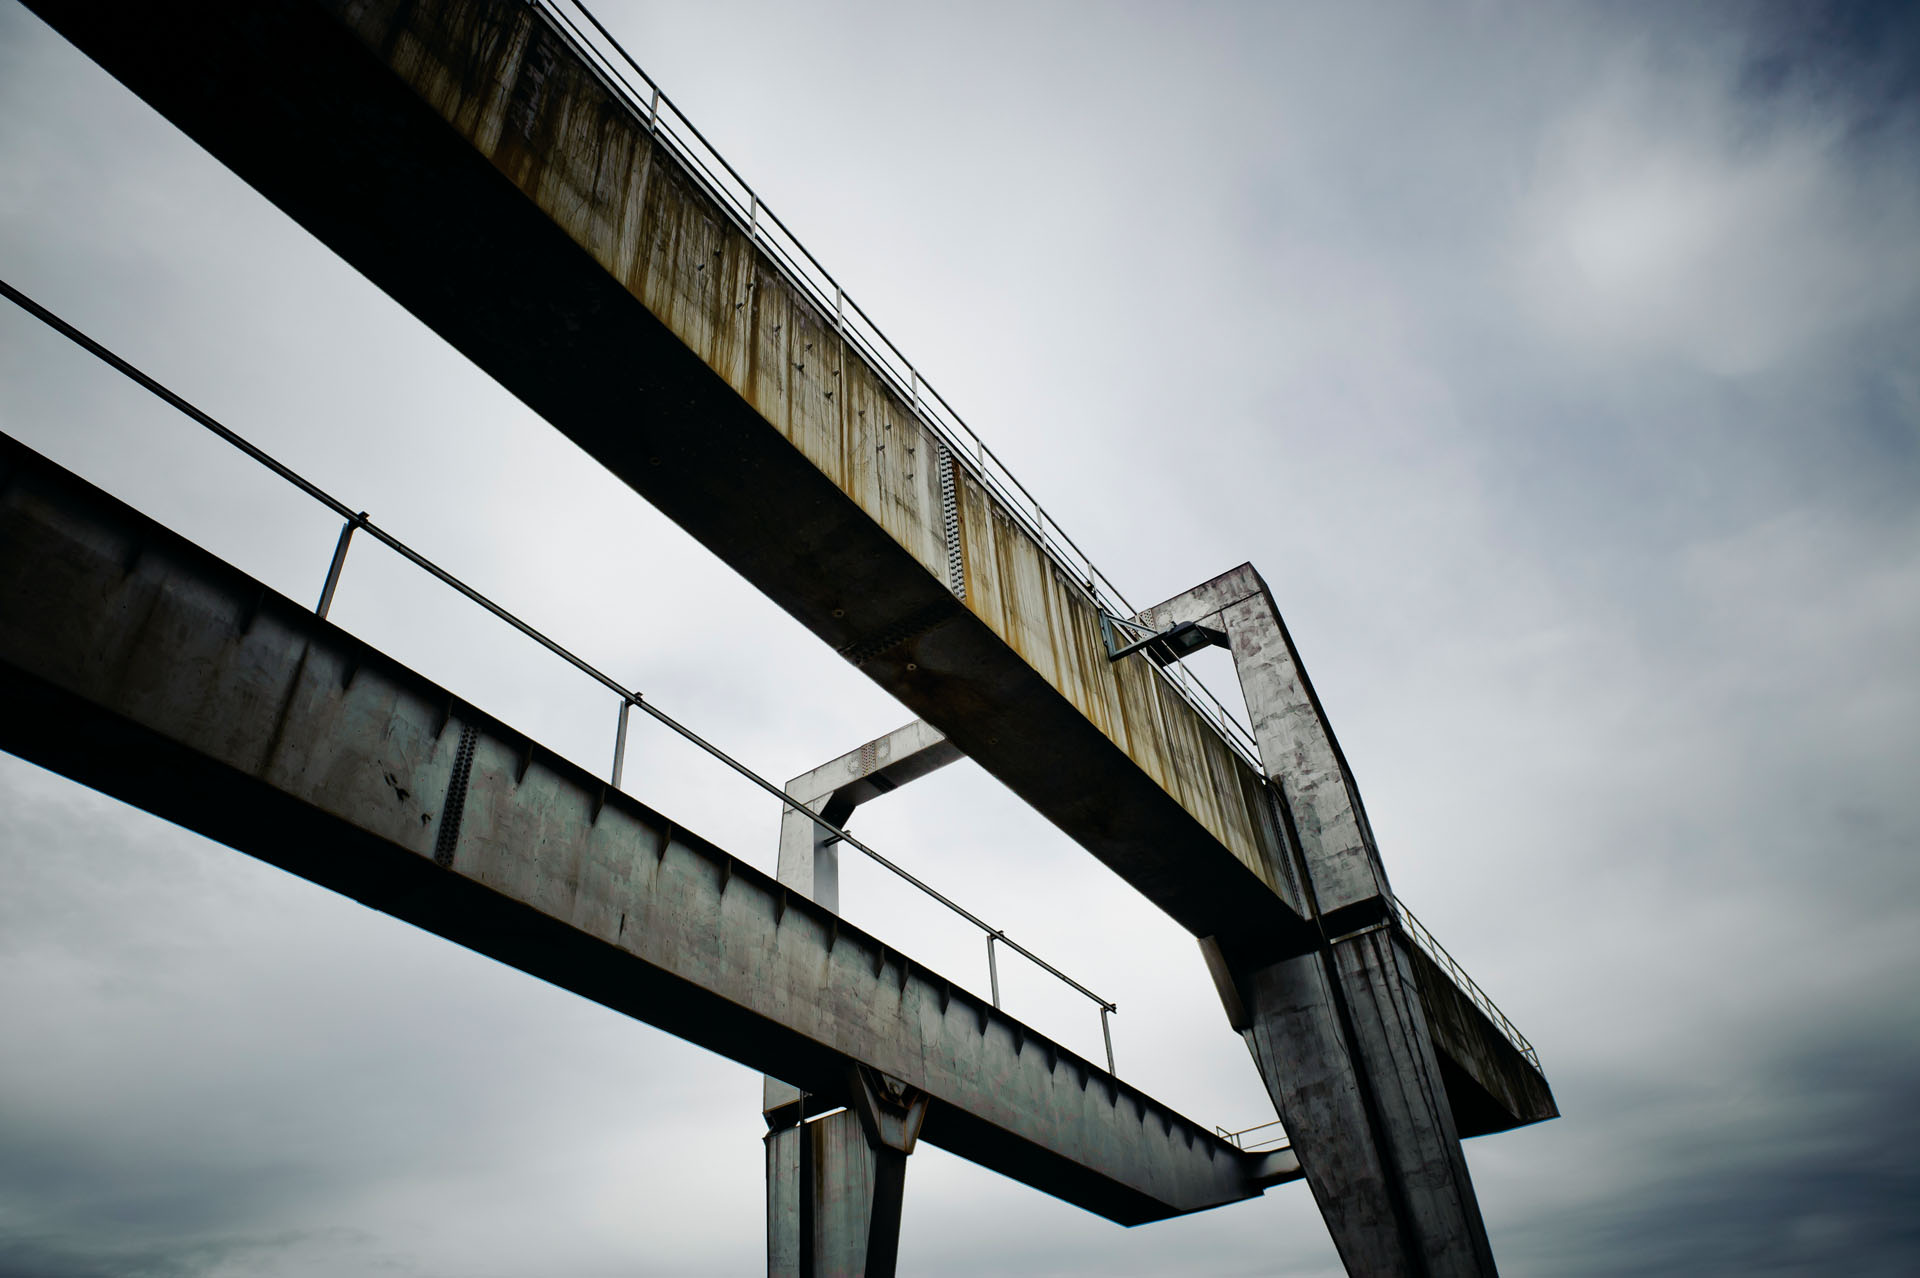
[[1340, 1034]]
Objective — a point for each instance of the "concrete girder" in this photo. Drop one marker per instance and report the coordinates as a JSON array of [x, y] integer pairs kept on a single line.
[[135, 662], [1340, 1035], [879, 767], [464, 157]]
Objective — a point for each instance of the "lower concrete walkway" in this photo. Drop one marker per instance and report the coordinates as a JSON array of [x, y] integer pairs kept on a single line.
[[137, 663]]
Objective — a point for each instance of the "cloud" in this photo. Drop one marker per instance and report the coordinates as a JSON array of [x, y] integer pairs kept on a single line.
[[1676, 220]]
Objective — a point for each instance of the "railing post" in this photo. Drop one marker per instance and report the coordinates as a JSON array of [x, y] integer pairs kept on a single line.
[[1107, 1034], [620, 742], [339, 562], [993, 970]]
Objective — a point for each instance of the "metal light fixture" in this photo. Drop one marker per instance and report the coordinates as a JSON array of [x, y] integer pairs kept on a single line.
[[1163, 647]]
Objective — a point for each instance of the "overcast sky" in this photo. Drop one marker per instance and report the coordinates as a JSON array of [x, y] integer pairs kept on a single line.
[[1555, 364]]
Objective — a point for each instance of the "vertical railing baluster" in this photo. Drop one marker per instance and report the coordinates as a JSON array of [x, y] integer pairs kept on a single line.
[[1107, 1034], [993, 970], [620, 742], [339, 562]]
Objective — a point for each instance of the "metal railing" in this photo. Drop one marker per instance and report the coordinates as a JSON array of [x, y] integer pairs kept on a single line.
[[357, 521], [611, 63], [1417, 932], [1276, 1138]]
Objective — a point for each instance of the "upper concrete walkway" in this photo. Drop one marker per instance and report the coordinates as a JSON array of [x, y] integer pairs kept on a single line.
[[466, 158]]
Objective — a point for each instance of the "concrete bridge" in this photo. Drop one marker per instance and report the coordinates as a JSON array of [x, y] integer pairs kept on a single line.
[[474, 160]]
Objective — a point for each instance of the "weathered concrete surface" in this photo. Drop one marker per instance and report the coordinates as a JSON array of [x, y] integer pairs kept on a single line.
[[135, 662], [881, 766], [809, 855], [462, 156], [1339, 1039]]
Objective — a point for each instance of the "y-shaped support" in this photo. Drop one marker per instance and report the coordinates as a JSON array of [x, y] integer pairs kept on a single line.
[[1339, 1034], [835, 1182]]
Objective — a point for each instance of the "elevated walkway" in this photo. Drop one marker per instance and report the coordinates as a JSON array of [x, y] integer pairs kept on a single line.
[[139, 664]]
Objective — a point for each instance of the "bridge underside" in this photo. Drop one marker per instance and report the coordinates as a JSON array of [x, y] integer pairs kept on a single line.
[[136, 663]]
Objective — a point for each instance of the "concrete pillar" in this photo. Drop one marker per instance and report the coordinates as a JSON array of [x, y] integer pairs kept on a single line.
[[835, 1184], [1340, 1040], [1339, 1035]]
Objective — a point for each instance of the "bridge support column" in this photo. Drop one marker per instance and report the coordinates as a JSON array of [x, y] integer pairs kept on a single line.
[[1339, 1034], [835, 1184], [1341, 1042]]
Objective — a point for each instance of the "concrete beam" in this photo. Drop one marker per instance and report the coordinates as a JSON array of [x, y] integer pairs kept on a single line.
[[137, 663], [879, 767], [809, 855], [466, 159]]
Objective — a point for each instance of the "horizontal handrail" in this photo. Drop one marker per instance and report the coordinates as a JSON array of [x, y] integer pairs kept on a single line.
[[1264, 1144], [1430, 945], [606, 57]]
